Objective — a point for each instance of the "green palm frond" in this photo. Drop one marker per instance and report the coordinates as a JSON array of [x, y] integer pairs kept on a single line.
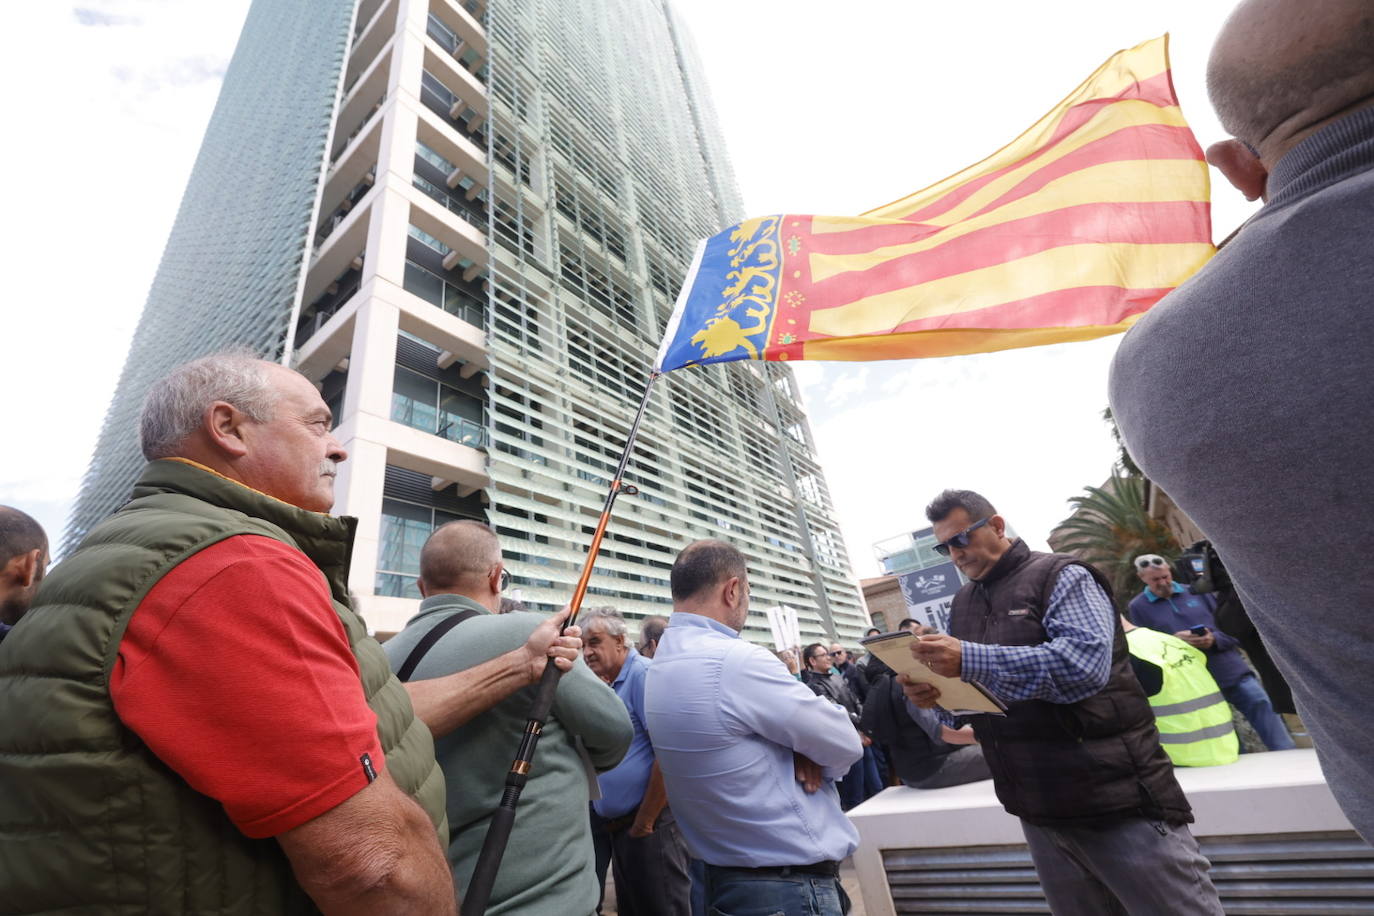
[[1110, 528]]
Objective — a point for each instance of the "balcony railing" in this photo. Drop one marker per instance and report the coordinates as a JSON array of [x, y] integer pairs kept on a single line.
[[468, 211], [330, 223], [427, 418], [464, 432], [438, 291], [450, 106], [447, 39], [367, 119]]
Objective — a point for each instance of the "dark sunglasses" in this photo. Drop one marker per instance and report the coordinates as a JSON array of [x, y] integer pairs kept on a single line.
[[1147, 562], [838, 652], [960, 540], [505, 580]]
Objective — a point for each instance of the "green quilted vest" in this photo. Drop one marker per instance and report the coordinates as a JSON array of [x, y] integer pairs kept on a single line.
[[91, 822]]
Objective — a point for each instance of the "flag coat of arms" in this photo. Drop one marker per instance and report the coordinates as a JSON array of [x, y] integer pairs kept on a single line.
[[1070, 232]]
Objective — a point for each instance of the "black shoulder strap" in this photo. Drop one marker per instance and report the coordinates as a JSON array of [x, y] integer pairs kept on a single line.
[[427, 642]]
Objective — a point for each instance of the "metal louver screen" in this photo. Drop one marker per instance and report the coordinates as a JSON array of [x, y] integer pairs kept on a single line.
[[1285, 873]]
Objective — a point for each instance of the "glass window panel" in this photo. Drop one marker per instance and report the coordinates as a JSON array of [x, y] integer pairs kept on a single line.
[[424, 237], [433, 158], [394, 585], [424, 284], [404, 529], [460, 418], [413, 400]]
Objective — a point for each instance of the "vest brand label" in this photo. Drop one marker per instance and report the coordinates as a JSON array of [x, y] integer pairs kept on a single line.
[[1018, 612]]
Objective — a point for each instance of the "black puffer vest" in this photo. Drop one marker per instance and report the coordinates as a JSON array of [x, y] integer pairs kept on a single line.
[[1097, 760]]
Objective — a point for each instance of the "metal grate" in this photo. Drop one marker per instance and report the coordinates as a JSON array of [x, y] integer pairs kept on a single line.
[[1292, 873]]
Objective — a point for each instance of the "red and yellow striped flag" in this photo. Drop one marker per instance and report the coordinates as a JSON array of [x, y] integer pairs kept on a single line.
[[1068, 233]]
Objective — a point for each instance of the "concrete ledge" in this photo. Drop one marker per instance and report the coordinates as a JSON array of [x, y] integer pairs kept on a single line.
[[1278, 792]]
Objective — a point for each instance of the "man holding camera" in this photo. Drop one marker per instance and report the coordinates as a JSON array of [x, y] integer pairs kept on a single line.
[[1168, 607]]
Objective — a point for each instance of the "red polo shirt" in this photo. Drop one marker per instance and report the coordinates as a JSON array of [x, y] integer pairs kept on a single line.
[[236, 672]]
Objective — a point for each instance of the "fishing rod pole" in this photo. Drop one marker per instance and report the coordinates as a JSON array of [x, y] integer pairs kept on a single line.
[[503, 818]]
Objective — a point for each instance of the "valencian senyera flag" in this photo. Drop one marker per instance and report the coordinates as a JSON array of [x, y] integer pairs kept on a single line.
[[1069, 233]]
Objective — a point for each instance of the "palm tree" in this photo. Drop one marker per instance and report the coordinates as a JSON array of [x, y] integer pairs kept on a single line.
[[1125, 464], [1110, 527]]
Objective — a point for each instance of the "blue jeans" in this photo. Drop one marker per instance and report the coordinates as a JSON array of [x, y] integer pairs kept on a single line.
[[1249, 697], [731, 892]]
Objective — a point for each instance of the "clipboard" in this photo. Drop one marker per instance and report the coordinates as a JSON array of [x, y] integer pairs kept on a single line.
[[961, 698]]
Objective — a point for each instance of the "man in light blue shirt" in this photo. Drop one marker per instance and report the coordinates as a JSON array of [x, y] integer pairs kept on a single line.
[[734, 735], [632, 826]]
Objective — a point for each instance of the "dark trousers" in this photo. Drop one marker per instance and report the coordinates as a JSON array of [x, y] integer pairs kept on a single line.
[[1135, 867], [963, 766], [601, 846], [651, 873], [862, 782]]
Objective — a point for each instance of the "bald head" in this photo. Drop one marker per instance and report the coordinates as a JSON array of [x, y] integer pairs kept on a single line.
[[461, 558], [23, 559], [1281, 69]]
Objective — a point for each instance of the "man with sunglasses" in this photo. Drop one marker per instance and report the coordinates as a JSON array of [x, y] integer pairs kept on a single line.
[[1168, 607], [462, 577], [1077, 756], [854, 675]]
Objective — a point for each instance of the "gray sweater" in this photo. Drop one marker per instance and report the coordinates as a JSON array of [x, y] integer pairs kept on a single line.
[[1247, 395], [548, 866]]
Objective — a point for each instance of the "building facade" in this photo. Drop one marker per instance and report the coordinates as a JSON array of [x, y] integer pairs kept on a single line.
[[486, 209]]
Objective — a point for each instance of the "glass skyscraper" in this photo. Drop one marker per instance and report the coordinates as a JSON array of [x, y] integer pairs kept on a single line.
[[467, 222]]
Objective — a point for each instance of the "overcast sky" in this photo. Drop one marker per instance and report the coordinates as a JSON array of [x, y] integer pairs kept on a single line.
[[826, 108]]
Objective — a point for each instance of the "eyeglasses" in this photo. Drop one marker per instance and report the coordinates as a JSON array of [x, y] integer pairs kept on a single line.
[[1148, 561], [837, 652], [505, 580], [960, 540]]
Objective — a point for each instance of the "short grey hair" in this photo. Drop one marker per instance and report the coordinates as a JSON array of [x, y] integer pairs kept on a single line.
[[608, 618], [175, 405]]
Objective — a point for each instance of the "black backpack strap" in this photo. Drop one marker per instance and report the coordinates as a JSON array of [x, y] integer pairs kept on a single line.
[[427, 642]]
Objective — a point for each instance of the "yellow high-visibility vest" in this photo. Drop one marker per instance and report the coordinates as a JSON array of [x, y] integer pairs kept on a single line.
[[1193, 717]]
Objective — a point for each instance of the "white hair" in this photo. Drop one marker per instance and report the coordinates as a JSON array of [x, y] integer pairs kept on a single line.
[[175, 405], [608, 618]]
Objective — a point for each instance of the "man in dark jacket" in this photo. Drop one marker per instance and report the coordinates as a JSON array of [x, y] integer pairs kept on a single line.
[[925, 753], [1077, 756], [817, 674], [863, 780], [853, 675]]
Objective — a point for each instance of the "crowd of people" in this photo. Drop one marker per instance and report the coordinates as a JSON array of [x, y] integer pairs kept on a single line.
[[193, 717], [196, 713]]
